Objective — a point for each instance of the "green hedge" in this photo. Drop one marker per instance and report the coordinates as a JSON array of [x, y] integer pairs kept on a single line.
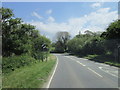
[[11, 63]]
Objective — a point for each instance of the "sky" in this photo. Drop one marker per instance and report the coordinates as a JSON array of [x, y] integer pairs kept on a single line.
[[52, 17]]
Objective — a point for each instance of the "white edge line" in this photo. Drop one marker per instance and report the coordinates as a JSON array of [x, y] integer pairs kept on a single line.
[[107, 72], [95, 72], [53, 73]]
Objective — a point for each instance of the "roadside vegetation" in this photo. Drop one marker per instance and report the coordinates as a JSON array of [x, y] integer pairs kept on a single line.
[[102, 47], [31, 76], [26, 59], [22, 43], [107, 59]]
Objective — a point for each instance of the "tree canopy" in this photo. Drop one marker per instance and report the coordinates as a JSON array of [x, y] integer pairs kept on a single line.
[[113, 31], [20, 38], [62, 39]]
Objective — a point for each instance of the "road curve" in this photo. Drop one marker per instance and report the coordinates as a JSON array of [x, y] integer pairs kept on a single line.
[[73, 72]]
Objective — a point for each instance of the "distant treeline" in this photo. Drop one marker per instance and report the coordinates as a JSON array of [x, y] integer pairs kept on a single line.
[[91, 43], [21, 40]]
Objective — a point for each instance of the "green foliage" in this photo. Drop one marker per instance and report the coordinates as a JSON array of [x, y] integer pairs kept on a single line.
[[89, 43], [97, 43], [6, 13], [9, 35], [12, 63], [112, 36], [19, 40], [62, 39], [113, 31], [31, 76], [107, 59], [41, 47]]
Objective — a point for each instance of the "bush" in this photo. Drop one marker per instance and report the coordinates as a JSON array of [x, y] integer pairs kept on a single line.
[[11, 63]]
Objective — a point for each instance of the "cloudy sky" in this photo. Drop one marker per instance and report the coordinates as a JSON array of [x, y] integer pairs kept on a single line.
[[51, 17]]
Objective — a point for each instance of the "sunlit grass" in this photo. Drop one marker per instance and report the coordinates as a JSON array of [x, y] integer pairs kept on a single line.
[[31, 76], [107, 59]]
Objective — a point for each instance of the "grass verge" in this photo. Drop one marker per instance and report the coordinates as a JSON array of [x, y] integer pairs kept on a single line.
[[31, 76], [107, 59]]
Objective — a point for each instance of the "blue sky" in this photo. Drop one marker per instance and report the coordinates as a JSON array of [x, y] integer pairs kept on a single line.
[[51, 17]]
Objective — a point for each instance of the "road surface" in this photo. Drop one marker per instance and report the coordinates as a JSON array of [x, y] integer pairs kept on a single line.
[[73, 72]]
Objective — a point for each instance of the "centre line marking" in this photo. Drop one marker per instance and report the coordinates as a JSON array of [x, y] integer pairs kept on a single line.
[[76, 61], [80, 63], [95, 72], [71, 58]]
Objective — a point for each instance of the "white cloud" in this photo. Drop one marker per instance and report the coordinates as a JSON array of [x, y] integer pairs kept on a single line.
[[102, 17], [50, 19], [49, 11], [94, 21], [37, 15], [94, 5]]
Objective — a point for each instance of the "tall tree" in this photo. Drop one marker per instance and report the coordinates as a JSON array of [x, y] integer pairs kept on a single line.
[[9, 27], [19, 38], [112, 37], [113, 31], [61, 41]]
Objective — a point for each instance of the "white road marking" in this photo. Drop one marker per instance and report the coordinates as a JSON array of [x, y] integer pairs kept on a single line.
[[52, 74], [80, 63], [95, 72], [108, 72], [102, 64], [71, 58], [107, 65], [76, 61]]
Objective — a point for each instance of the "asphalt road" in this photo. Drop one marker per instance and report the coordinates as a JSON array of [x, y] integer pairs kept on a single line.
[[73, 72]]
